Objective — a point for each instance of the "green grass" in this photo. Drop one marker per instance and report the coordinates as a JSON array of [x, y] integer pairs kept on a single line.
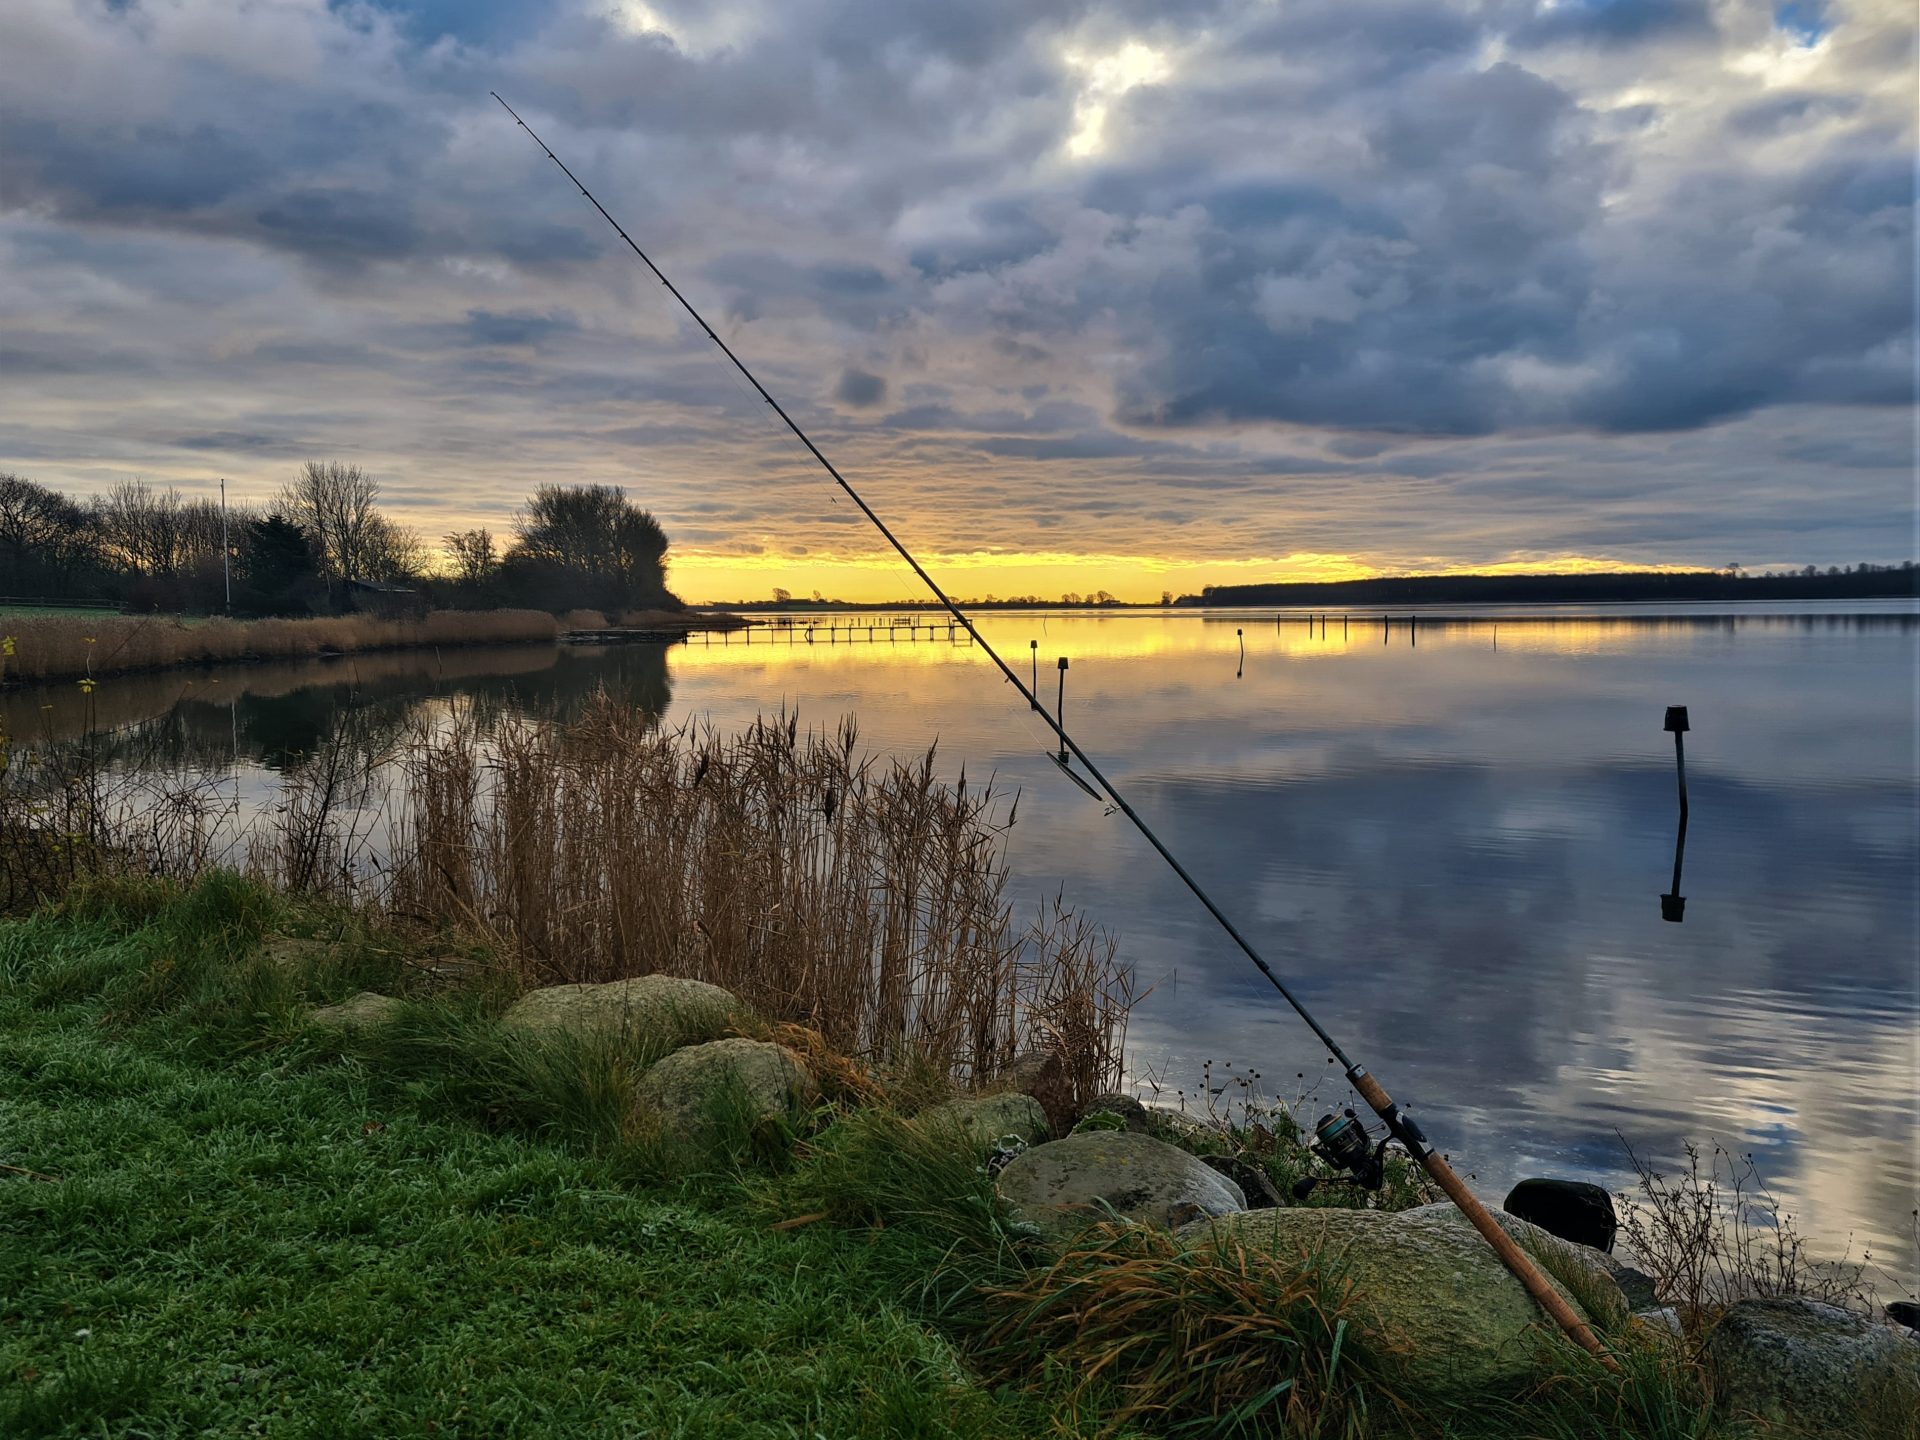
[[443, 1228], [7, 610], [237, 1244]]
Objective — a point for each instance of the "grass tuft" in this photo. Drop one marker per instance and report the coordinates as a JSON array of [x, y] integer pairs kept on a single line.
[[1212, 1340]]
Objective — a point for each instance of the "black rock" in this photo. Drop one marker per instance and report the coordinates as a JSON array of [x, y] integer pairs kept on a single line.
[[1905, 1312], [1571, 1209], [1254, 1182]]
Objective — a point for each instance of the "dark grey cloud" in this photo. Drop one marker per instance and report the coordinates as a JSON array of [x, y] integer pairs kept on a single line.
[[859, 388]]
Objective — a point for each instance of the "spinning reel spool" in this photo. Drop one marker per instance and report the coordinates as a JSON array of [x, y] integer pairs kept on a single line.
[[1342, 1142]]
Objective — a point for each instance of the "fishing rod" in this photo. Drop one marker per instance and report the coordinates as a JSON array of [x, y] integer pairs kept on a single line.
[[1341, 1140]]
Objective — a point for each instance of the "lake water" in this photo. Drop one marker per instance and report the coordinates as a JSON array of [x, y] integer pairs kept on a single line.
[[1452, 840]]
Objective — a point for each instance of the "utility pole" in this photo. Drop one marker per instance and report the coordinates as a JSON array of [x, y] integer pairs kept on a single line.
[[226, 549]]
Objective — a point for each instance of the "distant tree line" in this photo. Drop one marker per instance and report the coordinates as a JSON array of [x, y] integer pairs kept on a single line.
[[1854, 582], [323, 545]]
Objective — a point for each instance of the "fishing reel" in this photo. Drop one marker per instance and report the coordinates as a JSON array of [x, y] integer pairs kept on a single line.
[[1342, 1141]]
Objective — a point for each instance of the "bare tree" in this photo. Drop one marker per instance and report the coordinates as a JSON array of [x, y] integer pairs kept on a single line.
[[473, 555], [334, 503], [46, 540]]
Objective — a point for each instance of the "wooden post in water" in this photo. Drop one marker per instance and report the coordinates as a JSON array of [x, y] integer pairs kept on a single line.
[[1060, 710]]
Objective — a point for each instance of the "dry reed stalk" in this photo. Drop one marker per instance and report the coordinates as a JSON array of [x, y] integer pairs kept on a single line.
[[58, 647], [863, 900]]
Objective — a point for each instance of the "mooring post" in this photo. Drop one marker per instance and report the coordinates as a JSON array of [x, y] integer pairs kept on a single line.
[[1033, 648], [1673, 905], [1242, 636], [1060, 710], [1676, 723]]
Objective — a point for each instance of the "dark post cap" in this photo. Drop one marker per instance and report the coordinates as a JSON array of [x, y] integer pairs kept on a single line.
[[1676, 719], [1063, 662]]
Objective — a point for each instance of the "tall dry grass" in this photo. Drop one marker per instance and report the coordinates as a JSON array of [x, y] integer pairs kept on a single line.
[[866, 900], [59, 647]]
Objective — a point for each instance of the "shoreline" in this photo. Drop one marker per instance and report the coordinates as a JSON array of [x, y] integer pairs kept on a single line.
[[63, 648]]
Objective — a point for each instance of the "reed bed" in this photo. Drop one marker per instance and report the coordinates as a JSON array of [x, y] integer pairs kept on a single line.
[[865, 900], [61, 647]]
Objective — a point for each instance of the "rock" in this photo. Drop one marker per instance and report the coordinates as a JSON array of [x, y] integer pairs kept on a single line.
[[365, 1011], [1020, 1074], [988, 1118], [1254, 1182], [1662, 1322], [658, 1010], [689, 1087], [1571, 1209], [1423, 1283], [1811, 1366], [1129, 1111], [1641, 1289], [1583, 1273], [1064, 1185], [1043, 1076]]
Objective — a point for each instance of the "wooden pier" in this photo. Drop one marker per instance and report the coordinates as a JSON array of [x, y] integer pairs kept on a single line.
[[863, 630]]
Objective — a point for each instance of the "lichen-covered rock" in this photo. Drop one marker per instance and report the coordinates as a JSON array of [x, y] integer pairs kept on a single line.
[[365, 1011], [989, 1118], [1066, 1184], [658, 1011], [1580, 1270], [692, 1089], [1816, 1368], [1429, 1288]]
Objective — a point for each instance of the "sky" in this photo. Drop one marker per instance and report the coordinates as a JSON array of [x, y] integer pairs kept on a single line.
[[1082, 296]]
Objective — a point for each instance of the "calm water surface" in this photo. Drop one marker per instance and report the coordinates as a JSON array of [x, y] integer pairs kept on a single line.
[[1454, 843]]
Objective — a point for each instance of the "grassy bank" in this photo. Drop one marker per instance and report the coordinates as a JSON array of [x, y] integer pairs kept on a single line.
[[218, 1218], [233, 1230], [58, 647]]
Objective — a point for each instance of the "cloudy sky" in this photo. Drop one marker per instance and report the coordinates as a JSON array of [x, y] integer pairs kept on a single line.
[[1119, 295]]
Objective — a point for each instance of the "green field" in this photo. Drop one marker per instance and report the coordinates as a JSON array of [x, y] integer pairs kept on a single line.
[[235, 1244], [7, 611]]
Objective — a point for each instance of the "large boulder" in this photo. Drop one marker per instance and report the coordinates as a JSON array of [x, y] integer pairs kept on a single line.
[[692, 1089], [365, 1011], [1075, 1180], [661, 1012], [1425, 1286], [1816, 1368], [986, 1119], [1583, 1273]]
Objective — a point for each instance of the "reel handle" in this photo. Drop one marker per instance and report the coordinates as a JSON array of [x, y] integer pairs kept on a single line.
[[1511, 1255]]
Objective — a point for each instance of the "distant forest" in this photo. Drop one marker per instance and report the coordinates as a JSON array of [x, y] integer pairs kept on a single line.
[[323, 546], [1854, 582]]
